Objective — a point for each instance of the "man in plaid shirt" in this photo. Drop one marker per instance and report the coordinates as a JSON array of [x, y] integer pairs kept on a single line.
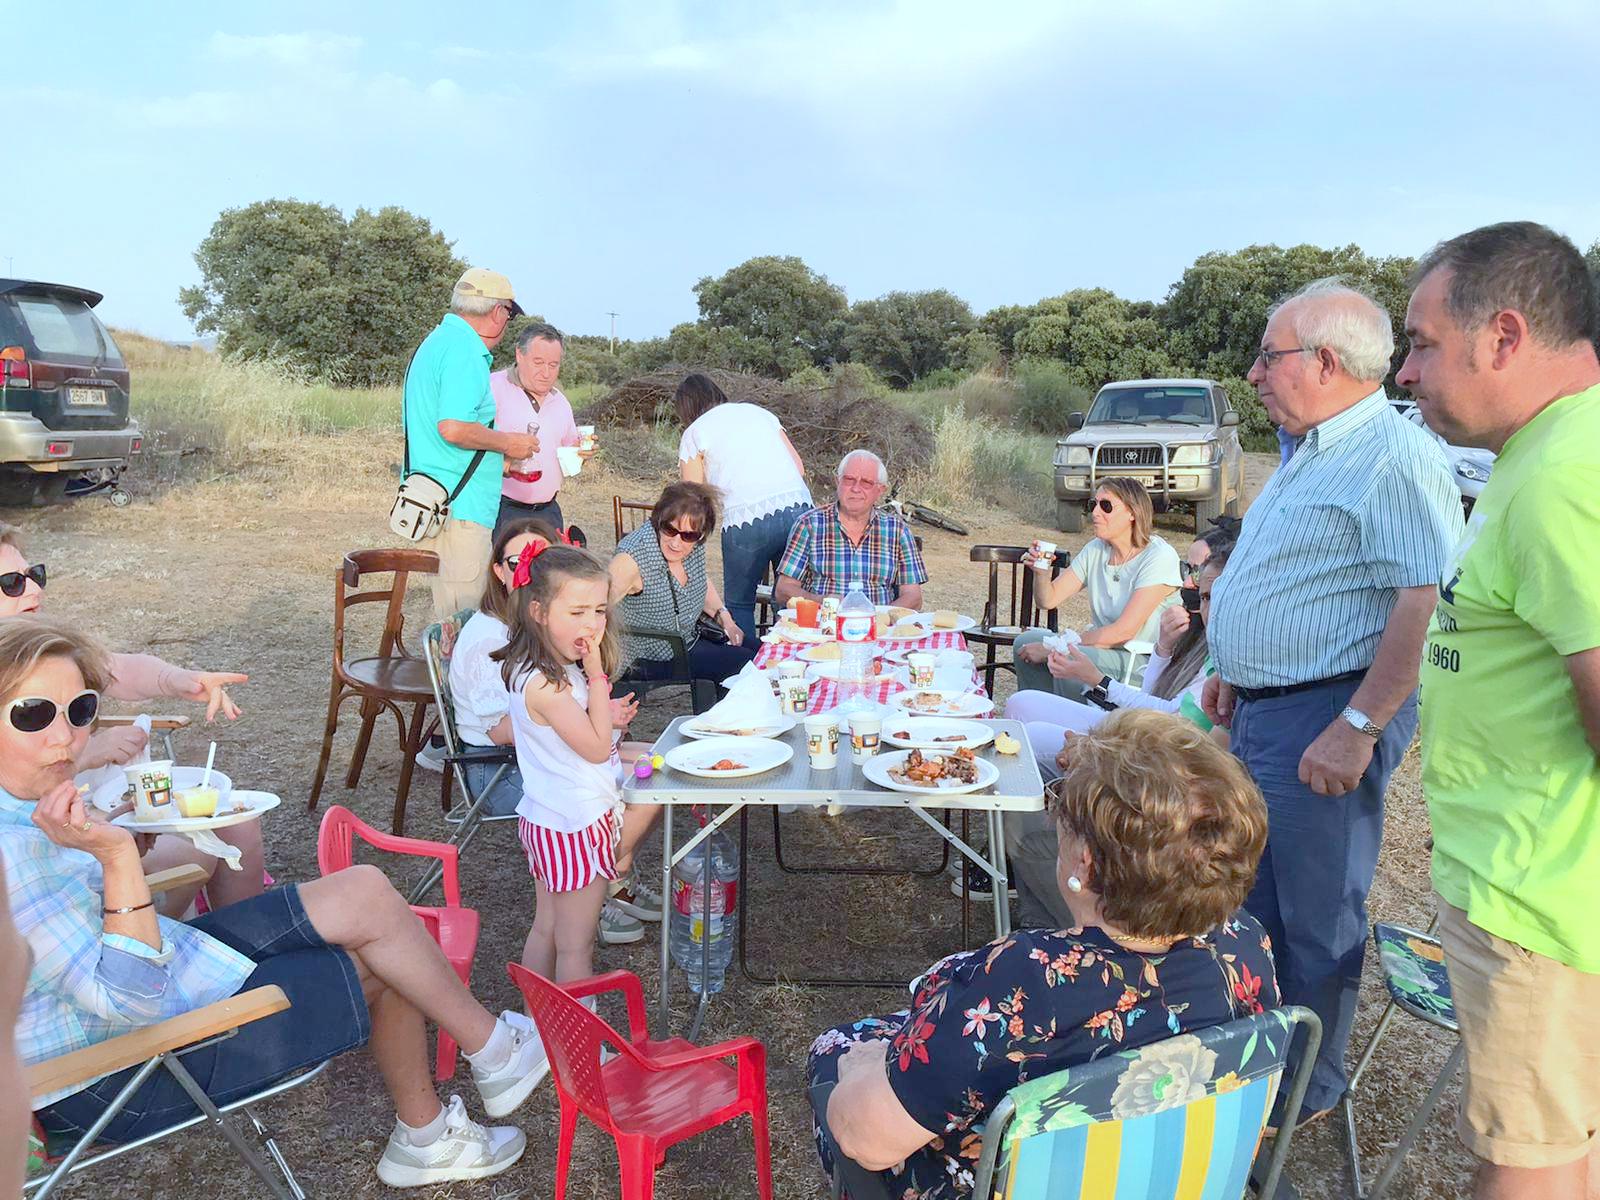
[[852, 540]]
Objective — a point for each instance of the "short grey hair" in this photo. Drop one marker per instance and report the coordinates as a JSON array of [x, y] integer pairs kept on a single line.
[[470, 304], [1330, 314], [539, 331], [883, 471]]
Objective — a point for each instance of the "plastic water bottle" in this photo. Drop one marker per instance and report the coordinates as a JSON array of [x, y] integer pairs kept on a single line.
[[856, 649], [691, 928]]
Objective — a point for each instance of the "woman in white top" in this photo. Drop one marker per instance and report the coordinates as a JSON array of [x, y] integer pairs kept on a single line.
[[1130, 575], [743, 452]]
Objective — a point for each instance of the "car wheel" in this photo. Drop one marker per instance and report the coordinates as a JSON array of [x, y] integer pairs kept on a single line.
[[1069, 516], [1206, 511], [120, 499]]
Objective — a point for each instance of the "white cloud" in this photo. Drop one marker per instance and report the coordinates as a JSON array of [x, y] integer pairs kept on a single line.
[[301, 51]]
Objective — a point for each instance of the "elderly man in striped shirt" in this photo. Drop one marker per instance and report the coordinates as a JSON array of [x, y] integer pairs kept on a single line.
[[1316, 632]]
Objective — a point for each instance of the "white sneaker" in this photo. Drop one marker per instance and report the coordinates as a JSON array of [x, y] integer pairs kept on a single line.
[[504, 1090], [431, 757], [635, 897], [465, 1150], [617, 928]]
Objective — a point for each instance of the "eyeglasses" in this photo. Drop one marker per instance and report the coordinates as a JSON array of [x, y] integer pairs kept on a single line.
[[12, 582], [1102, 504], [856, 482], [35, 714], [690, 536], [1267, 357]]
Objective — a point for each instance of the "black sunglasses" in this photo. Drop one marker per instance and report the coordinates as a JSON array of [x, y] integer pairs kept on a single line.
[[691, 536], [12, 582], [1102, 504], [34, 714]]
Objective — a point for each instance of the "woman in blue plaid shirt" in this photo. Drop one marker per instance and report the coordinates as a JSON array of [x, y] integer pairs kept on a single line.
[[355, 962]]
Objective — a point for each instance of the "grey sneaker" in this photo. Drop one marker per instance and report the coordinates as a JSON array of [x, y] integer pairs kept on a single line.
[[465, 1150], [504, 1090], [617, 928], [636, 898], [431, 757]]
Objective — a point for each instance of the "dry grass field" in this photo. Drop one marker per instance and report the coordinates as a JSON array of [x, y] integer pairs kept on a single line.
[[227, 560]]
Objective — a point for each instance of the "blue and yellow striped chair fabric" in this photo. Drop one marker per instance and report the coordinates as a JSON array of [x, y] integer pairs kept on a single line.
[[1178, 1119]]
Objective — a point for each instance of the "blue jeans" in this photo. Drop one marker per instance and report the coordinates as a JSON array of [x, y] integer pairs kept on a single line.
[[1310, 893], [1036, 677], [747, 551], [329, 1016], [507, 793]]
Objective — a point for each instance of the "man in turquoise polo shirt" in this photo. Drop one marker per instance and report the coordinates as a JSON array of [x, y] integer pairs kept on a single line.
[[449, 417], [1502, 326]]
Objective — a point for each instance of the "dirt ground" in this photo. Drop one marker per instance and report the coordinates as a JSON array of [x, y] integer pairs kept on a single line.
[[236, 571]]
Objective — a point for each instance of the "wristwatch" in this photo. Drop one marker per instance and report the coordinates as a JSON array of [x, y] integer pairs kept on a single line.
[[1362, 723], [1098, 694]]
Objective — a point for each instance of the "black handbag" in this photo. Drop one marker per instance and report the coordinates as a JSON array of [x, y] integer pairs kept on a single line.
[[707, 630]]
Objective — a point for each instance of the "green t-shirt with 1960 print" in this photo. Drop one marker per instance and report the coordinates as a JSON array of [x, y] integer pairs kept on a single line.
[[1512, 783]]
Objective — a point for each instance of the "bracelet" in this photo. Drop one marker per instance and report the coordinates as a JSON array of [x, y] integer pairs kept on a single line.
[[606, 679], [122, 912]]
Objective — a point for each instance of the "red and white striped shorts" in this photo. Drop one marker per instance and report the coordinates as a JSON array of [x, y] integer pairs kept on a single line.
[[569, 862]]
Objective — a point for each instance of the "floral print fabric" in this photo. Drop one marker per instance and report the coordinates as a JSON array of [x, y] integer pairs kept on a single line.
[[1034, 1003]]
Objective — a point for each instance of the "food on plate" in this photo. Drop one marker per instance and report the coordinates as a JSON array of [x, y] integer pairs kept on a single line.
[[907, 629], [726, 764], [898, 613], [826, 652], [1004, 743], [926, 702], [936, 770], [905, 736], [946, 618], [197, 801], [720, 731]]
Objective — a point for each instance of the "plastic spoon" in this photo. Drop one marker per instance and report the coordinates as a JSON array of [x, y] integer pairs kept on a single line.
[[211, 757]]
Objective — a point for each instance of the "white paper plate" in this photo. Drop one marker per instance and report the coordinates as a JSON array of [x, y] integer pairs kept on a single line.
[[817, 654], [794, 633], [830, 670], [925, 732], [255, 804], [1005, 630], [894, 636], [950, 703], [876, 769], [962, 624], [776, 727], [110, 793], [758, 755]]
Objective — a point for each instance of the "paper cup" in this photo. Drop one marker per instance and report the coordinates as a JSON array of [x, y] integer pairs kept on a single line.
[[585, 437], [569, 459], [805, 612], [822, 742], [1047, 555], [922, 665], [795, 695], [865, 731], [152, 790]]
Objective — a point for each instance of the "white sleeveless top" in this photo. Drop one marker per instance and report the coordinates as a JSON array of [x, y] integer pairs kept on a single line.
[[561, 789]]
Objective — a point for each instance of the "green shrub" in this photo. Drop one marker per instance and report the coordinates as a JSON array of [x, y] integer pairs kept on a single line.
[[1046, 393], [944, 377], [807, 379]]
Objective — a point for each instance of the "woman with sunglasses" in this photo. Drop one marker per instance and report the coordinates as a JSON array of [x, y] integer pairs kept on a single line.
[[139, 677], [659, 581], [1131, 575], [356, 963]]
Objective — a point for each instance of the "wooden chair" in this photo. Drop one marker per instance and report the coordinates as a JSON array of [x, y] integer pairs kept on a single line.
[[628, 515], [386, 681], [160, 727], [1014, 605]]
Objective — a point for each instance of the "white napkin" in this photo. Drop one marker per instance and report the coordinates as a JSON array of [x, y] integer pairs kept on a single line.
[[1060, 641], [953, 671], [749, 704]]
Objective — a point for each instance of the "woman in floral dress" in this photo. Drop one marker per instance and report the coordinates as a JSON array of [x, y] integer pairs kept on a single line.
[[1160, 833]]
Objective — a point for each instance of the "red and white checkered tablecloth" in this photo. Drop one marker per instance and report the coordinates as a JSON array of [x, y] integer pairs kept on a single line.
[[825, 692]]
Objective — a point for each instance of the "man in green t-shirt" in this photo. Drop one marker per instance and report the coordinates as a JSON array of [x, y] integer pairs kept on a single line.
[[1502, 325], [449, 417]]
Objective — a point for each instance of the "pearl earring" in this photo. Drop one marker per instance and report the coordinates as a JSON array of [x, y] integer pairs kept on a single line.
[[1074, 884]]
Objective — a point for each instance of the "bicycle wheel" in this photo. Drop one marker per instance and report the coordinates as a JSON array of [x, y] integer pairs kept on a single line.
[[932, 516]]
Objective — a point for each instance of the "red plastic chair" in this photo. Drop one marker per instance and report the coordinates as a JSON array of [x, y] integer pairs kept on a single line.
[[453, 927], [653, 1094]]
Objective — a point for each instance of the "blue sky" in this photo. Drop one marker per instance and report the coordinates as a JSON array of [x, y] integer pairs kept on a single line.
[[606, 156]]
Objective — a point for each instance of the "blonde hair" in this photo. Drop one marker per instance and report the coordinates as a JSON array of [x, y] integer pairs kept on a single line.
[[11, 536], [1131, 492], [27, 640], [1172, 821]]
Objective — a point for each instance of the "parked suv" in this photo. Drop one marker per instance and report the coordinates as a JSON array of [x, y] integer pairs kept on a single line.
[[64, 424], [1470, 467], [1178, 437]]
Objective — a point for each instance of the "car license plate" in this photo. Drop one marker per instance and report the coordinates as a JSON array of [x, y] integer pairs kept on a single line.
[[81, 397]]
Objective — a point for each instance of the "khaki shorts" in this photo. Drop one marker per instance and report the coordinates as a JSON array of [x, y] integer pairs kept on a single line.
[[1532, 1031], [463, 549]]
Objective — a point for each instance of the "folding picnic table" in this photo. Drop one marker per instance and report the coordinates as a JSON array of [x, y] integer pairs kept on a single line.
[[1019, 788]]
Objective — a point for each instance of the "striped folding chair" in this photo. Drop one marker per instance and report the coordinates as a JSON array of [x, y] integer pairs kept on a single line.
[[1179, 1117]]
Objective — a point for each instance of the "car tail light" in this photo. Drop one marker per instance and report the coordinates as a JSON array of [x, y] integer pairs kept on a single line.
[[138, 445], [14, 369], [58, 449]]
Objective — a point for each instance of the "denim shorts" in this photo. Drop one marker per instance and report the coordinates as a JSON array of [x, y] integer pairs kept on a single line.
[[327, 1016]]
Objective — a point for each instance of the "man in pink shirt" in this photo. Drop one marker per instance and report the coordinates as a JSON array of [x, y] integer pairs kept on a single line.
[[526, 399]]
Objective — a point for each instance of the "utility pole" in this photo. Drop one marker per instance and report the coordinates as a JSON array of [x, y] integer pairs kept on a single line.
[[613, 317]]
